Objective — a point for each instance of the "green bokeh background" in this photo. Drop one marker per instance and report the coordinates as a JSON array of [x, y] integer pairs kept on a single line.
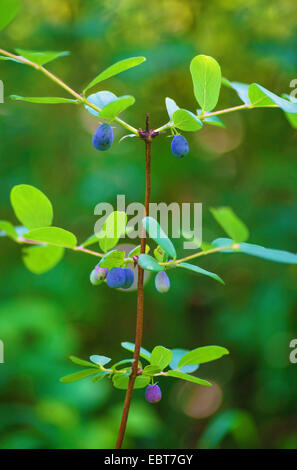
[[250, 166]]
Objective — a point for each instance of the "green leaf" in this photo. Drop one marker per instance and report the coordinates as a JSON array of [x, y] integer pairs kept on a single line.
[[171, 107], [115, 69], [41, 57], [161, 357], [102, 360], [100, 99], [91, 240], [131, 346], [8, 230], [269, 254], [197, 269], [53, 236], [206, 76], [177, 354], [43, 100], [155, 232], [186, 121], [8, 11], [113, 259], [112, 109], [113, 227], [136, 251], [151, 370], [78, 375], [202, 355], [232, 225], [188, 378], [82, 362], [31, 206], [121, 381], [40, 259], [292, 118], [260, 96], [149, 263]]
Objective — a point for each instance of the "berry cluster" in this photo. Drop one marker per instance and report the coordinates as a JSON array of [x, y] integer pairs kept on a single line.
[[115, 277], [103, 139]]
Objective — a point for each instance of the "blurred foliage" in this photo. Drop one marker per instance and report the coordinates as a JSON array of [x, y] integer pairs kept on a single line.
[[250, 166]]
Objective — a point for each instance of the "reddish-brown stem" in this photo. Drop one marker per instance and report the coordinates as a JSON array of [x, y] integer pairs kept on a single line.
[[139, 316]]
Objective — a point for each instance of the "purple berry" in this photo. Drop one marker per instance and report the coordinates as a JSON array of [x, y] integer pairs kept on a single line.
[[162, 282], [116, 277], [98, 275], [129, 278], [153, 393], [179, 146], [103, 137]]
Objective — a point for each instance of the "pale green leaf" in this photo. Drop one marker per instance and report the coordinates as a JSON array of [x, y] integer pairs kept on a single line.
[[100, 99], [31, 206], [53, 236], [149, 263], [115, 69], [102, 360], [82, 374], [112, 109], [186, 121], [43, 100], [113, 227], [260, 96], [41, 57], [206, 76], [136, 251], [171, 107], [40, 259], [202, 355], [232, 225], [177, 354], [161, 357]]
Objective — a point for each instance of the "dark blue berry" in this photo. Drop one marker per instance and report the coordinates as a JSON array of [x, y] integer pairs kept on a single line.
[[179, 146], [116, 277], [98, 275], [129, 275], [153, 393], [162, 282], [103, 137]]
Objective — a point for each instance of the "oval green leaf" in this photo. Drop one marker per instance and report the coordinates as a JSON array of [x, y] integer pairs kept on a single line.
[[31, 206], [53, 236], [82, 374], [131, 346], [206, 76], [41, 57], [112, 109], [42, 99], [186, 121], [149, 263], [40, 259], [202, 355], [161, 357], [8, 11]]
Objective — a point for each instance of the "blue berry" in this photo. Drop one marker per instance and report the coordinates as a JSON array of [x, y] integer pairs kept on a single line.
[[129, 276], [103, 137], [179, 146], [153, 393], [162, 282], [98, 275], [116, 277]]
